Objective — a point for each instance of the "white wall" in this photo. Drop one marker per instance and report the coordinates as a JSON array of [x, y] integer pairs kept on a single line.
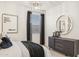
[[70, 9], [67, 8], [19, 10], [50, 21]]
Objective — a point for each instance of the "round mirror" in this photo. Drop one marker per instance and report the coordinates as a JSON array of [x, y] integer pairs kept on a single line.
[[64, 24]]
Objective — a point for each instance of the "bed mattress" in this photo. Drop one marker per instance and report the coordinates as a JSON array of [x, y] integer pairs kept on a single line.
[[19, 50]]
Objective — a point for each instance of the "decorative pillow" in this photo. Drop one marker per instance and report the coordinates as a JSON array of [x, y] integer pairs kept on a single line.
[[6, 43]]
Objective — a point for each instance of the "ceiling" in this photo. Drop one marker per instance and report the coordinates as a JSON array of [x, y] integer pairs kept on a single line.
[[44, 5]]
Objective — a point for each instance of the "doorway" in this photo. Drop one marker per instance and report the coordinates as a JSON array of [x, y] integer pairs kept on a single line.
[[35, 27]]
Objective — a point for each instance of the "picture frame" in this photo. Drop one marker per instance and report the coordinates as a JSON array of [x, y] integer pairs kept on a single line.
[[9, 23]]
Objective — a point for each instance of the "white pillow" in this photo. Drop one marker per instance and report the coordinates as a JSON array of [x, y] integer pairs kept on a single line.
[[0, 40]]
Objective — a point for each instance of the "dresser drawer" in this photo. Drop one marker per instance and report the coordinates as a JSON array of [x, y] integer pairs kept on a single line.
[[68, 43], [59, 48], [59, 45], [69, 51], [58, 41]]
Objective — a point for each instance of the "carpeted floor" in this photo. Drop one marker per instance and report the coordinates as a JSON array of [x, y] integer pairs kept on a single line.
[[56, 54]]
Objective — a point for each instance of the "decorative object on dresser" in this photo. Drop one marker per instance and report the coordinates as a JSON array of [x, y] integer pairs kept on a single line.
[[64, 45], [56, 34]]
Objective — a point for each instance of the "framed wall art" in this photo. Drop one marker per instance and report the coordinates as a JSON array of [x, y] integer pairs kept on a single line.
[[9, 23]]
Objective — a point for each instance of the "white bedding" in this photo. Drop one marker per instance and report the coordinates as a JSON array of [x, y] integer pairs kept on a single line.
[[19, 50], [13, 51]]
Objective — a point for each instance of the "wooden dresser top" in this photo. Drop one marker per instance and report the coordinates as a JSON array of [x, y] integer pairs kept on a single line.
[[69, 39]]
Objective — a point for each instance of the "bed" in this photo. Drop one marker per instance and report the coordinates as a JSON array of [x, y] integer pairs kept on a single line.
[[19, 50]]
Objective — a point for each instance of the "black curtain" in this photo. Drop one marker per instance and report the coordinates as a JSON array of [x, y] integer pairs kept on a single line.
[[28, 26], [42, 35]]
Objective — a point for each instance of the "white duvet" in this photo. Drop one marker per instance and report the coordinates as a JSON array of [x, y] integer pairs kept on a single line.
[[19, 50]]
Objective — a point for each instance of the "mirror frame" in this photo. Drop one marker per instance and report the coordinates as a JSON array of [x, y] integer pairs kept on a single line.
[[57, 26]]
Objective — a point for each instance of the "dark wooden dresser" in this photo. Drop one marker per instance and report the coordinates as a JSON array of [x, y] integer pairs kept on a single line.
[[70, 47]]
